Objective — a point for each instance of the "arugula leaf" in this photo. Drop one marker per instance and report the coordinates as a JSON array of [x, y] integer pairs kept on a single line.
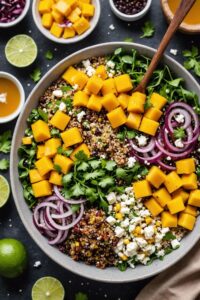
[[169, 236], [81, 296], [124, 133], [36, 75], [179, 133], [127, 59], [5, 141], [4, 164], [148, 30], [49, 55], [175, 82]]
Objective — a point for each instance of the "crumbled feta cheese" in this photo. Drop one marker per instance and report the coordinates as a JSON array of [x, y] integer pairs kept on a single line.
[[159, 237], [161, 253], [131, 162], [130, 201], [112, 27], [120, 245], [142, 140], [111, 198], [145, 260], [165, 230], [110, 208], [125, 223], [144, 213], [111, 220], [75, 87], [110, 64], [180, 118], [173, 51], [119, 231], [148, 232], [150, 248], [136, 220], [175, 244], [124, 197], [178, 143], [131, 249], [128, 190], [62, 106], [140, 257], [168, 158], [37, 264], [90, 71], [58, 93], [3, 97], [132, 266], [86, 63], [131, 228], [80, 116], [141, 242], [125, 210]]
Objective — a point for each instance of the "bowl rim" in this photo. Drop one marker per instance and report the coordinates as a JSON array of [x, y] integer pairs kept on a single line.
[[109, 275], [19, 19], [22, 97], [45, 32]]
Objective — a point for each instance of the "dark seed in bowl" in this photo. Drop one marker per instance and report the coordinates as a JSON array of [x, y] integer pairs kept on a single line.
[[130, 7]]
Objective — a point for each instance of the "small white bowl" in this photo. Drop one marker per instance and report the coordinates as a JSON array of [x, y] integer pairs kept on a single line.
[[19, 19], [130, 18], [22, 97], [93, 22]]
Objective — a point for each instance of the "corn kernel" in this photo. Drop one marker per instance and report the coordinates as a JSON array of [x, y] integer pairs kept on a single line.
[[126, 241], [148, 220], [117, 207], [124, 257], [158, 223], [77, 244], [119, 216], [138, 230]]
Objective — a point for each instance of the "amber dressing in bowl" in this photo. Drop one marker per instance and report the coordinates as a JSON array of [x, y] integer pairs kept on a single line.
[[193, 17], [9, 97]]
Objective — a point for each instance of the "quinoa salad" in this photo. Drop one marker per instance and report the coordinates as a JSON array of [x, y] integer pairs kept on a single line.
[[111, 175]]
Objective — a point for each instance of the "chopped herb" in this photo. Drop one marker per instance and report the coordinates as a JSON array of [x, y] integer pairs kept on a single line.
[[192, 61], [168, 250], [122, 266], [43, 115], [148, 30], [198, 171], [57, 168], [124, 133], [4, 164], [179, 133], [128, 40], [66, 88], [36, 75], [55, 133], [68, 103], [49, 55], [169, 236], [64, 152], [81, 296], [5, 142]]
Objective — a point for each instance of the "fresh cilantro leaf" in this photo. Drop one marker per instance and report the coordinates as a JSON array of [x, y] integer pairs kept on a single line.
[[4, 164], [43, 115], [5, 142], [95, 163], [64, 152], [83, 166], [110, 165], [36, 75], [106, 182], [130, 134], [94, 175], [198, 171], [75, 207], [91, 194], [67, 179], [55, 132], [148, 30], [77, 190], [121, 173], [57, 168], [68, 102], [179, 133], [122, 266], [81, 156], [49, 55], [197, 68], [66, 88], [121, 135], [147, 104], [189, 64], [128, 40], [168, 250], [169, 236], [81, 296], [192, 60], [103, 204]]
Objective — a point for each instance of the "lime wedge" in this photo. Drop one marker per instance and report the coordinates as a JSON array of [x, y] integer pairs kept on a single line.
[[21, 51], [5, 190], [48, 288]]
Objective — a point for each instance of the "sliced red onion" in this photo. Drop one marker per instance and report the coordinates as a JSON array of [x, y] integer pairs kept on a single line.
[[152, 159], [11, 10], [69, 201], [172, 114], [36, 213], [146, 149], [173, 155], [169, 145], [165, 166]]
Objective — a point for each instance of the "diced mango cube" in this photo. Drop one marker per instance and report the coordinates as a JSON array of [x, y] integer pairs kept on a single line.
[[182, 193], [51, 147], [55, 178], [72, 3], [194, 198], [101, 72], [142, 189], [172, 182], [156, 177], [94, 85], [40, 151], [41, 131], [123, 83], [73, 17], [69, 75], [153, 113], [117, 117], [110, 102], [27, 140], [136, 102], [109, 87], [69, 32], [60, 120], [58, 17], [134, 120], [88, 10], [162, 196], [149, 126], [185, 166], [80, 99], [186, 221], [71, 137], [44, 6], [176, 205], [63, 7], [189, 182], [85, 1], [42, 189], [80, 79], [44, 165], [35, 176], [56, 30], [123, 100], [82, 147], [95, 103], [168, 220], [153, 206], [158, 101], [191, 210], [63, 162], [81, 25], [47, 20]]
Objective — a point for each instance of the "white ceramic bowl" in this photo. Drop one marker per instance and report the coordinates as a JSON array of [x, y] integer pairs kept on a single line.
[[19, 19], [22, 97], [112, 275], [130, 18], [93, 23]]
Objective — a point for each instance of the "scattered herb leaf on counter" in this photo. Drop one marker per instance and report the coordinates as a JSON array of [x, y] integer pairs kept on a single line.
[[36, 75], [148, 30], [81, 296], [128, 40], [4, 164], [49, 55], [192, 61], [5, 142]]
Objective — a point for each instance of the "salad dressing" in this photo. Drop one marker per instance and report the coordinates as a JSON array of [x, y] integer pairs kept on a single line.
[[193, 17], [9, 97]]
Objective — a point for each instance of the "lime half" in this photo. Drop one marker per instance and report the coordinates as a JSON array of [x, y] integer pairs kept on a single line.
[[21, 51], [5, 190], [48, 288]]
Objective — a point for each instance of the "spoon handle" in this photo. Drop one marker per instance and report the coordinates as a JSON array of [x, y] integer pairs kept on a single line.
[[180, 14]]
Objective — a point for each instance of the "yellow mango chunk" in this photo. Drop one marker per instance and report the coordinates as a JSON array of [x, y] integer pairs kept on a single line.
[[172, 182], [40, 151], [72, 3], [35, 176], [194, 198], [95, 103], [176, 205], [82, 147], [186, 221], [162, 196], [81, 25], [41, 131], [47, 20], [27, 140], [191, 210], [153, 113], [153, 206], [123, 100], [42, 189], [85, 1], [149, 126], [181, 193], [189, 182], [108, 87], [158, 101], [134, 120], [69, 75], [156, 177], [63, 7], [71, 137], [44, 165], [44, 6], [123, 83], [56, 30], [142, 189], [169, 220], [55, 178], [88, 10], [110, 102], [80, 79], [94, 85], [117, 117], [73, 17], [58, 17], [51, 147], [101, 72], [185, 166], [69, 32], [136, 102], [80, 99], [63, 162], [60, 120]]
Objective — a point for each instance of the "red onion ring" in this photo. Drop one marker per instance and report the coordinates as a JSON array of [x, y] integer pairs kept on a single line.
[[173, 155], [172, 113], [146, 149]]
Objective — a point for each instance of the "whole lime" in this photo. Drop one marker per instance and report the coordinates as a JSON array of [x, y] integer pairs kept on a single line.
[[13, 258]]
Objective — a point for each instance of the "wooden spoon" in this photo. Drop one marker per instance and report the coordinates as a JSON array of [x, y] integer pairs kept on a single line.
[[180, 14]]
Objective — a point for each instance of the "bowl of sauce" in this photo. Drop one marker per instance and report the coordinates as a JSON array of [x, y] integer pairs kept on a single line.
[[12, 97], [191, 23]]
